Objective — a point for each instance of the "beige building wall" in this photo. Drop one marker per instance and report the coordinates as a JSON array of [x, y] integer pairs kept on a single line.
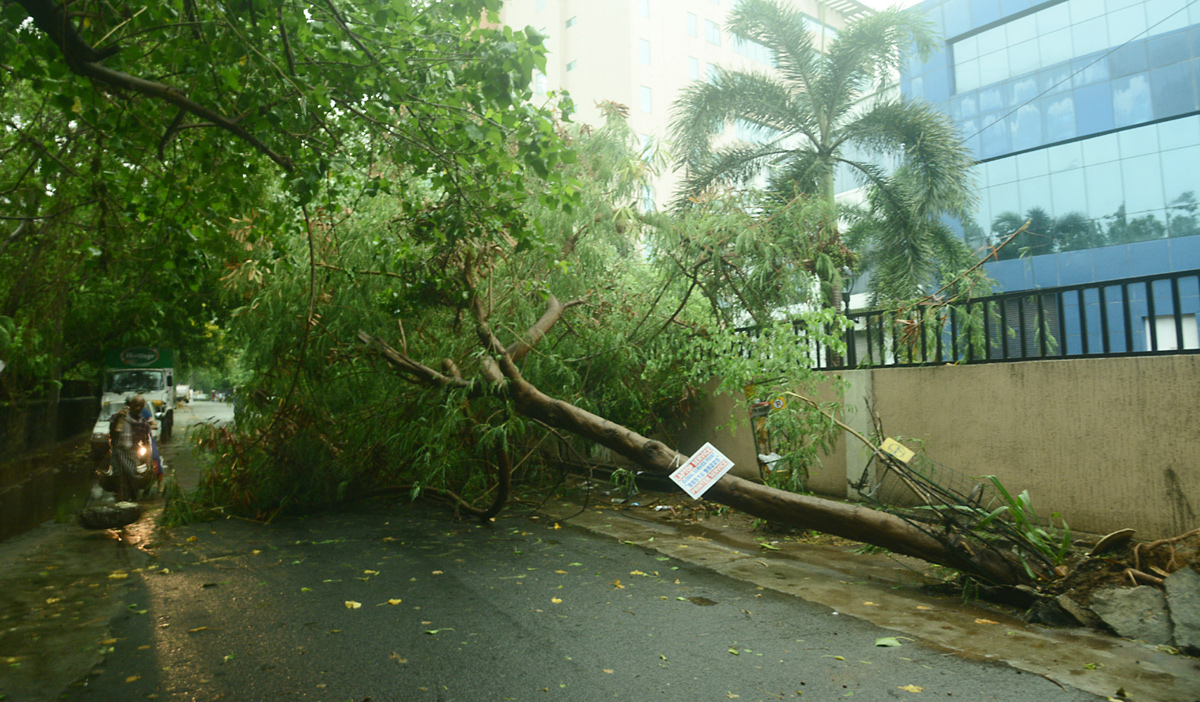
[[1108, 443], [600, 57]]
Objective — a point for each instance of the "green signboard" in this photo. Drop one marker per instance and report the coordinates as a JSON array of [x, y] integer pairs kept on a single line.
[[139, 357]]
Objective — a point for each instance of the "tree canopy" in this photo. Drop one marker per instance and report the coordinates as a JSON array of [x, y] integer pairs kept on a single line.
[[829, 106]]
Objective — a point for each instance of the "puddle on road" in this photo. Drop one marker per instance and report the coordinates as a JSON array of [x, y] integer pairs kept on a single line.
[[48, 485], [887, 592]]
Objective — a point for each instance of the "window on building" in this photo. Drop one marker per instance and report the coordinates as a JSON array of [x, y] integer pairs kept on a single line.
[[647, 198], [753, 51], [1047, 38], [691, 25], [539, 83], [711, 72], [693, 68], [819, 29], [644, 51], [644, 8], [712, 32], [539, 5], [572, 65], [647, 102], [571, 22]]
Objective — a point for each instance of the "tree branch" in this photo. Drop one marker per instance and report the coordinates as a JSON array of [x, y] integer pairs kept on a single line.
[[83, 60]]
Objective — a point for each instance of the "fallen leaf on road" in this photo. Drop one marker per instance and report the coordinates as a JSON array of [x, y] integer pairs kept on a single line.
[[371, 572], [351, 604], [636, 572], [887, 641], [395, 601], [563, 572], [923, 607], [607, 670], [133, 678], [144, 648], [870, 604], [912, 688], [555, 600], [435, 632], [256, 552], [735, 652], [193, 539], [617, 583], [437, 572], [199, 628], [306, 589], [52, 600], [108, 642], [396, 657], [985, 621], [118, 576]]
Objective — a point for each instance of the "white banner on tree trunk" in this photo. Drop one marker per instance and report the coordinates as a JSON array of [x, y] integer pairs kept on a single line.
[[701, 471]]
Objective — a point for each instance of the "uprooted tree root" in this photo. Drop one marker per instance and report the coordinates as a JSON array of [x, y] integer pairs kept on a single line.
[[1128, 565]]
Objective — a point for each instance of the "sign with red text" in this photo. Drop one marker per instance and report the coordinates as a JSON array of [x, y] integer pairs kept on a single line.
[[701, 471]]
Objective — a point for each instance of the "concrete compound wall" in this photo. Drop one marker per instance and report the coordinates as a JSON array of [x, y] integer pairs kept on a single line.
[[1108, 443]]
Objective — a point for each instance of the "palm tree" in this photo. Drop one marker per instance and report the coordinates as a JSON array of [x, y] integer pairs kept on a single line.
[[823, 109]]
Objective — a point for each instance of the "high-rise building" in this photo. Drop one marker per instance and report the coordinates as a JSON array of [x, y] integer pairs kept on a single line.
[[642, 53], [1084, 116]]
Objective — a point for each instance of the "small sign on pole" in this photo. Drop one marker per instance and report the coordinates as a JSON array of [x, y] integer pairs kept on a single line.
[[701, 471]]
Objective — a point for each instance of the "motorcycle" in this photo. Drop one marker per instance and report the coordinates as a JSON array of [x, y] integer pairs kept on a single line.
[[102, 510]]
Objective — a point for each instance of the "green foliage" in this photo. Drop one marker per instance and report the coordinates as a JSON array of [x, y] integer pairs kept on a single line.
[[825, 107], [1053, 544]]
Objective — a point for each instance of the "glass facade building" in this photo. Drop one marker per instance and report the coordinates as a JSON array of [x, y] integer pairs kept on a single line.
[[1084, 116]]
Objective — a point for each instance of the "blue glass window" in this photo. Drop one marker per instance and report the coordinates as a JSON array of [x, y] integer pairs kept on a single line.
[[1104, 192], [1032, 164], [1101, 149], [1055, 80], [1131, 100], [1088, 71], [958, 17], [647, 103], [1127, 59], [1093, 109], [691, 25], [1068, 192], [965, 107], [1168, 48], [1180, 175], [1026, 127], [1143, 183], [693, 68], [1002, 170], [1172, 90], [1056, 47], [991, 99], [1059, 112], [644, 51], [1090, 36], [937, 86], [712, 32], [571, 22], [993, 140], [1024, 90], [1035, 192], [1127, 23], [644, 8], [1065, 157], [1138, 142], [1179, 133], [984, 11]]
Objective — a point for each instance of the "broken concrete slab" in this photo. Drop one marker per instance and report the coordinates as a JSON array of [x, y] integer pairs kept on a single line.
[[1183, 601], [1135, 613], [1082, 615]]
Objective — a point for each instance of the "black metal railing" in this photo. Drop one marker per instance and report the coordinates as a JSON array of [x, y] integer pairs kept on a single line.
[[1143, 316]]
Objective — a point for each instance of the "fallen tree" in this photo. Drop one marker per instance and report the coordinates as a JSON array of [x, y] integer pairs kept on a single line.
[[501, 375]]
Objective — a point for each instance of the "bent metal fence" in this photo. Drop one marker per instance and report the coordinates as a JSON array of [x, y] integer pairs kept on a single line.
[[1143, 316]]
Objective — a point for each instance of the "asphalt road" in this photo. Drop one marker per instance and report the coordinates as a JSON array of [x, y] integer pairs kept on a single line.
[[394, 602]]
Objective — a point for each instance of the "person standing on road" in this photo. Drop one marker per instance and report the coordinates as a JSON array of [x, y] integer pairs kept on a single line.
[[126, 431]]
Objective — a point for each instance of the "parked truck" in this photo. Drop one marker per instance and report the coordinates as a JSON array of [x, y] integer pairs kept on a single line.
[[139, 370]]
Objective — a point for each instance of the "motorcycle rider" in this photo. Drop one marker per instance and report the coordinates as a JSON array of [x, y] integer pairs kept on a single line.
[[126, 431]]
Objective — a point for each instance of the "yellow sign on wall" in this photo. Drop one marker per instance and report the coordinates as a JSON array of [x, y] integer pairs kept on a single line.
[[897, 450]]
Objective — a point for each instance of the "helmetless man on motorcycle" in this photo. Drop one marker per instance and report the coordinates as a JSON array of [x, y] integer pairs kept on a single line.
[[128, 433]]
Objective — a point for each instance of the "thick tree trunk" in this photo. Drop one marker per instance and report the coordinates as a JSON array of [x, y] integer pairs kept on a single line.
[[806, 512]]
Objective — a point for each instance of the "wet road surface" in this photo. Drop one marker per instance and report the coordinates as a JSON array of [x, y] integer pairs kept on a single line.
[[399, 603]]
